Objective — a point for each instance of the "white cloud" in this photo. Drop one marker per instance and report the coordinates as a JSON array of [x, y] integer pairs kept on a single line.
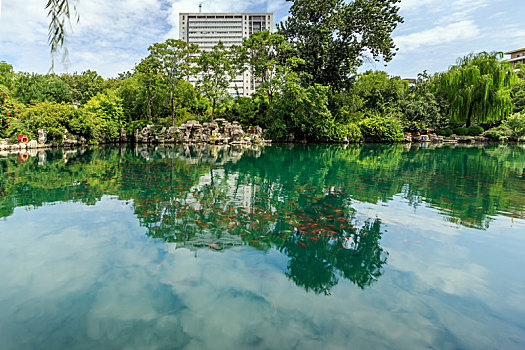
[[414, 5], [439, 35], [461, 10], [109, 34]]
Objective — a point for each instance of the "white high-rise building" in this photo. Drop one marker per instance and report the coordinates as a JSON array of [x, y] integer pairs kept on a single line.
[[207, 29]]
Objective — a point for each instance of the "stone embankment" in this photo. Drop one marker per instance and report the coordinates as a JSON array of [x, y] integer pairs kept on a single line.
[[440, 139], [23, 146], [219, 132]]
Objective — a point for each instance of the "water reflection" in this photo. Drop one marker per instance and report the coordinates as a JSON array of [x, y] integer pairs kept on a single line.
[[297, 199]]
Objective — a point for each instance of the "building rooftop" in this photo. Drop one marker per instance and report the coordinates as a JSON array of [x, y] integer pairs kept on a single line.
[[514, 51], [224, 13]]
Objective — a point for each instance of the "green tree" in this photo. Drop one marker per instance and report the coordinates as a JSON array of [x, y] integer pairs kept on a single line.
[[379, 92], [148, 74], [478, 88], [133, 104], [39, 88], [300, 111], [83, 86], [332, 36], [422, 107], [9, 110], [175, 58], [265, 56], [106, 110], [215, 72], [6, 74]]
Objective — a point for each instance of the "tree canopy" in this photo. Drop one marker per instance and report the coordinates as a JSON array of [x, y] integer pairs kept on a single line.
[[478, 88], [333, 36]]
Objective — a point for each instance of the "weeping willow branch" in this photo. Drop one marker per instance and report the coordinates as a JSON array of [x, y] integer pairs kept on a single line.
[[59, 14]]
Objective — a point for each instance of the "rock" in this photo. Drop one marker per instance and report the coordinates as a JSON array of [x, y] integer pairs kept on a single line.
[[345, 140], [42, 136], [32, 144], [291, 138], [123, 135], [480, 139], [257, 133]]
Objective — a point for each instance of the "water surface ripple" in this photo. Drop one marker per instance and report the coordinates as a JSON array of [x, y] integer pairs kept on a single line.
[[294, 246]]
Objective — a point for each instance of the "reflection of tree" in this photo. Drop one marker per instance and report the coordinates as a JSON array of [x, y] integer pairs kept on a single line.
[[356, 257], [327, 245], [316, 231], [295, 200]]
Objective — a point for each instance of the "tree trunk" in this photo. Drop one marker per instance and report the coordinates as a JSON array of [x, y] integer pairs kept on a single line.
[[149, 103], [467, 124], [213, 111], [172, 110]]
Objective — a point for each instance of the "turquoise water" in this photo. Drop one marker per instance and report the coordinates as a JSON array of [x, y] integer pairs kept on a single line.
[[307, 247]]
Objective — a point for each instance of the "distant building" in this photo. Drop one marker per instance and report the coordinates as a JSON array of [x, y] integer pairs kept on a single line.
[[516, 56], [207, 29], [411, 82]]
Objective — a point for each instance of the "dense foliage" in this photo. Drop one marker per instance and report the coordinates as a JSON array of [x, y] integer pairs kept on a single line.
[[381, 129], [9, 110], [332, 36], [304, 77]]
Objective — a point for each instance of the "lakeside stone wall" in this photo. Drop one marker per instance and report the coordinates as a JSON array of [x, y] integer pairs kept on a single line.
[[219, 131], [433, 138]]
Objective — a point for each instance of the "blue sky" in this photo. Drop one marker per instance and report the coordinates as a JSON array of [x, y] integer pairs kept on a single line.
[[113, 35]]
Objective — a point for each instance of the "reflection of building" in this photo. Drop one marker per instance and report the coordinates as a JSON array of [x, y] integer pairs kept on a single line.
[[516, 56], [207, 29]]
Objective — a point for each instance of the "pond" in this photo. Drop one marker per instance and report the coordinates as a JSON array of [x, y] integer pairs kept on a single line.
[[293, 246]]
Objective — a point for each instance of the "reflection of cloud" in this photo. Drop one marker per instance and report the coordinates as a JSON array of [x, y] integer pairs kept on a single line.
[[435, 274], [64, 281]]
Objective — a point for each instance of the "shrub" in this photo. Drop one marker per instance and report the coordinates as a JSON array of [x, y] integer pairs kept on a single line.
[[9, 110], [300, 111], [498, 134], [350, 130], [444, 132], [106, 113], [516, 126], [50, 116], [461, 131], [136, 125], [475, 130], [381, 129]]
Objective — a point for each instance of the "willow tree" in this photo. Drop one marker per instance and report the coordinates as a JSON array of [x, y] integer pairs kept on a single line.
[[478, 88]]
